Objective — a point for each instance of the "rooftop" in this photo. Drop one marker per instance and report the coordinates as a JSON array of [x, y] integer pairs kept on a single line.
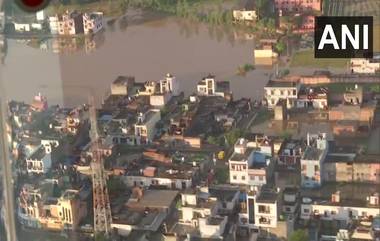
[[280, 84]]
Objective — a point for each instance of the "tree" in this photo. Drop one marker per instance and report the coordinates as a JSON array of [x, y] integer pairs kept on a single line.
[[280, 47], [299, 235]]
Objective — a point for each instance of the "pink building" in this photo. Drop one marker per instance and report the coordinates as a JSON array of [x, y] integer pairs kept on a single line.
[[298, 5], [307, 24]]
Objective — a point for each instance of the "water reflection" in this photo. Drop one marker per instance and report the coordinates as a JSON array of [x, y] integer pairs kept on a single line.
[[145, 45]]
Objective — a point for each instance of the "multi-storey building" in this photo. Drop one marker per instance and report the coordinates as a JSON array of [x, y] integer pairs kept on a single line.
[[92, 22], [298, 5], [313, 159], [365, 66], [67, 24], [122, 85], [248, 166], [39, 162], [276, 90], [145, 126], [208, 86]]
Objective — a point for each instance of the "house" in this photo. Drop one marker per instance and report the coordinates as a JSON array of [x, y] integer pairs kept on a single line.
[[150, 88], [246, 12], [247, 166], [312, 160], [145, 126], [39, 162], [365, 66], [41, 208], [70, 23], [342, 202], [266, 209], [208, 86], [144, 210], [315, 97], [199, 212], [276, 90], [307, 24], [122, 85], [353, 168], [169, 85], [74, 121], [265, 51], [298, 5], [92, 22], [39, 103], [154, 175]]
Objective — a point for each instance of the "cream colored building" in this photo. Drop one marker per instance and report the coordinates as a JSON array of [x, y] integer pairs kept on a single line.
[[365, 66], [145, 127]]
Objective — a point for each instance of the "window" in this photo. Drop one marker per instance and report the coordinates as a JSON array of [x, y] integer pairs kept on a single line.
[[333, 213], [234, 177], [261, 178], [243, 178], [316, 168], [264, 209]]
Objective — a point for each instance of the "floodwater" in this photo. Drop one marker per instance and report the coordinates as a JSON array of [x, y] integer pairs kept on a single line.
[[147, 48]]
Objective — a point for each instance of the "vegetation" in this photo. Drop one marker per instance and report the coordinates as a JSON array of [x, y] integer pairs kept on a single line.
[[233, 135], [299, 235], [280, 47], [216, 140], [262, 116], [221, 175], [243, 69], [306, 59]]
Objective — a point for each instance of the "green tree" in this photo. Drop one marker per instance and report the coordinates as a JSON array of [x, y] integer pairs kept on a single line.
[[233, 135], [280, 47], [299, 235]]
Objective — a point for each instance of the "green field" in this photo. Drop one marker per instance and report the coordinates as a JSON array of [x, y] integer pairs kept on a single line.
[[306, 59]]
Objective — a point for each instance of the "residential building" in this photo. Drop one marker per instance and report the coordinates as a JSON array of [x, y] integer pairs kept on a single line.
[[276, 90], [312, 160], [348, 202], [266, 209], [171, 177], [365, 66], [246, 12], [199, 212], [248, 166], [74, 121], [92, 22], [71, 209], [169, 85], [144, 210], [70, 23], [39, 162], [298, 5], [350, 167], [315, 97], [145, 126], [265, 51], [122, 85], [150, 88], [39, 103], [208, 86]]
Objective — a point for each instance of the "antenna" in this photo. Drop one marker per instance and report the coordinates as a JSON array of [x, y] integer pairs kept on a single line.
[[102, 208]]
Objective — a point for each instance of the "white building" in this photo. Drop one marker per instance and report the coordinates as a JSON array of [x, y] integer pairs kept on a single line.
[[145, 126], [312, 160], [276, 90], [365, 66], [266, 210], [199, 211], [169, 85], [208, 86], [39, 162], [92, 22], [248, 167], [339, 209], [246, 12]]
